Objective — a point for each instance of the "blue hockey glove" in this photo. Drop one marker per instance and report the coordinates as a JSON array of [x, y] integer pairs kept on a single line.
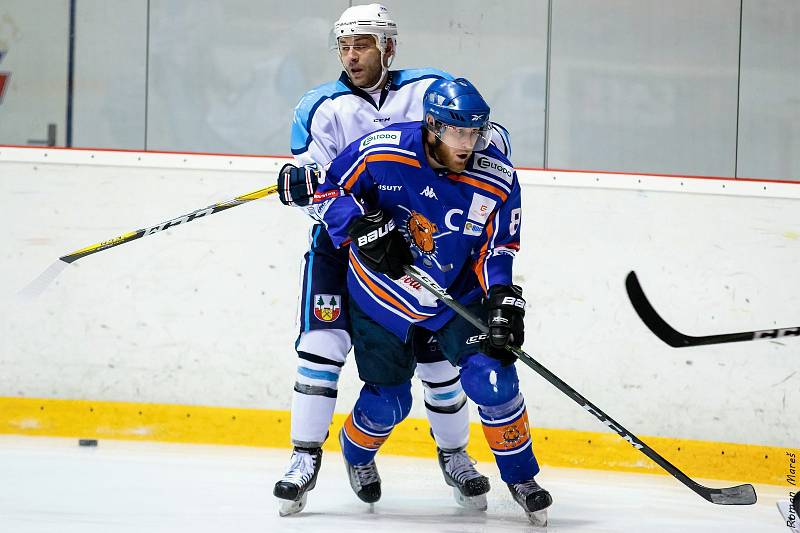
[[506, 313], [296, 185], [379, 244]]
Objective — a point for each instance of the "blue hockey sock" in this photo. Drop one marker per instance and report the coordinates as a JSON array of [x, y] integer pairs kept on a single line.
[[378, 410], [508, 434]]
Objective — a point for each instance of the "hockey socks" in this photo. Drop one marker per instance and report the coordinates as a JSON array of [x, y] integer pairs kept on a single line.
[[359, 442], [508, 435], [378, 410], [321, 355]]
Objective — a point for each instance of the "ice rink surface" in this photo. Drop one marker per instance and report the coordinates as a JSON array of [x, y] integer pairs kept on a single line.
[[53, 485]]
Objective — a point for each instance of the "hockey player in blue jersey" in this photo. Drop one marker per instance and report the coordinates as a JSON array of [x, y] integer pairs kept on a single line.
[[367, 97], [438, 195]]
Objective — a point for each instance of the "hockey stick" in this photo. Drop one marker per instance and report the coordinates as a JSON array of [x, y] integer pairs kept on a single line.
[[675, 338], [38, 285], [738, 495]]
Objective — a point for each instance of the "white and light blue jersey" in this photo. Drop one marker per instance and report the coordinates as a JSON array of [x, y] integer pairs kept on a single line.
[[331, 116]]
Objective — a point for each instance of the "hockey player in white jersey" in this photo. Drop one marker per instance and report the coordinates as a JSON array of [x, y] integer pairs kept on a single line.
[[366, 97]]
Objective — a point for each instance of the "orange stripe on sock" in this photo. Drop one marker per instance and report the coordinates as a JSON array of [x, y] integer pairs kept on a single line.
[[359, 437], [508, 436]]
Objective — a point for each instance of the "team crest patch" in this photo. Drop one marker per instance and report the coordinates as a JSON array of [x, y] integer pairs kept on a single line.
[[327, 307], [422, 230]]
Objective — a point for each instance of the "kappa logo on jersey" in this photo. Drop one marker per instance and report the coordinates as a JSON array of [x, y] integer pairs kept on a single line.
[[429, 192], [381, 137], [495, 167], [421, 230], [5, 77], [327, 307]]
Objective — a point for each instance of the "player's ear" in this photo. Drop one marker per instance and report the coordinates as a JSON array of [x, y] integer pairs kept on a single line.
[[389, 53]]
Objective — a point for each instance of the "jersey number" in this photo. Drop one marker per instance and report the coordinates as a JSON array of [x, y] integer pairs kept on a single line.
[[516, 218]]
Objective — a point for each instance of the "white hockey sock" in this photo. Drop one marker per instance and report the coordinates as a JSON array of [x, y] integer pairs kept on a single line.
[[445, 404], [321, 356]]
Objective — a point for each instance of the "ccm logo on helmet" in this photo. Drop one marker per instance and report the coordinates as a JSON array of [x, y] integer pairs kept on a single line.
[[495, 167], [376, 234]]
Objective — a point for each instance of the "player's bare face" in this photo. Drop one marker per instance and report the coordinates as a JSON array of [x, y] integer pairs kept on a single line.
[[454, 158], [361, 59]]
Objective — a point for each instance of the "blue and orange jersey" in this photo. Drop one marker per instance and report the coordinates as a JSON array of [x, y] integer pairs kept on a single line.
[[463, 229]]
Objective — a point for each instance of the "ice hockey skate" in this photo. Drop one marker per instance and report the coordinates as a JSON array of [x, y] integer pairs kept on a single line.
[[300, 477], [469, 485], [534, 501], [364, 479]]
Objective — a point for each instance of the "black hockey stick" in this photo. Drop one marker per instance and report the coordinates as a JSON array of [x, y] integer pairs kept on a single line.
[[38, 285], [675, 338], [738, 495]]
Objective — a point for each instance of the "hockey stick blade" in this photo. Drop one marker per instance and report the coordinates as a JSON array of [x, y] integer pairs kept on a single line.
[[675, 338], [738, 495], [43, 280]]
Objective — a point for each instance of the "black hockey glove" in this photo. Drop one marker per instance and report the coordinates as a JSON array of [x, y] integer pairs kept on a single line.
[[506, 313], [296, 185], [379, 244]]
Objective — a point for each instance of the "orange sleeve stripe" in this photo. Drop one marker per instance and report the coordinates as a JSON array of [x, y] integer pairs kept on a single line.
[[481, 185], [383, 294], [352, 179], [394, 157], [482, 256], [378, 157], [357, 436]]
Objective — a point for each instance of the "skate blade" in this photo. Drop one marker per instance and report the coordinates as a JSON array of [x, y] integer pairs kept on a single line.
[[474, 503], [538, 518], [290, 507]]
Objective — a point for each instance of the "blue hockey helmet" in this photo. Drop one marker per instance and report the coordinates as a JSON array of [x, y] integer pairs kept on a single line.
[[459, 113]]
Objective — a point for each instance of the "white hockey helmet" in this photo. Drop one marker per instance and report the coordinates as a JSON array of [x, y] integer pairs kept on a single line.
[[370, 19]]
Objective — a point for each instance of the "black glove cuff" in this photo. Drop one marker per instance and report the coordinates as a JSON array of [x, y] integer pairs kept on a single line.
[[507, 297]]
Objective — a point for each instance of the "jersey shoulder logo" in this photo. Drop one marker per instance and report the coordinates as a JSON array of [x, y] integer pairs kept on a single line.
[[429, 192], [380, 137], [495, 167]]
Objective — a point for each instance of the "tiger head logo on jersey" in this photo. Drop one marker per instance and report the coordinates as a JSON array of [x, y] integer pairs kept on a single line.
[[421, 231]]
